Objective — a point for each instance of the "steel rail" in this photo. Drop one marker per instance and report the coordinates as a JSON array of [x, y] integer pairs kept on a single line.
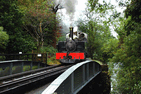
[[14, 84], [13, 76]]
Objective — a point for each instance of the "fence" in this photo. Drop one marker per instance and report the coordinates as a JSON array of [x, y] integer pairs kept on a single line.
[[29, 57], [10, 67]]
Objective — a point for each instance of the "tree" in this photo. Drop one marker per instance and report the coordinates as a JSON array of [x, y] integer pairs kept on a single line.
[[40, 20], [11, 20], [125, 51], [96, 26], [3, 40], [128, 54], [98, 35]]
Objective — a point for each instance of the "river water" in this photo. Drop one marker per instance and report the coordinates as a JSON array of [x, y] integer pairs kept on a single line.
[[113, 69]]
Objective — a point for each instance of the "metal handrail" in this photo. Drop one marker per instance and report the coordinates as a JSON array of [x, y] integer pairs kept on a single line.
[[24, 56]]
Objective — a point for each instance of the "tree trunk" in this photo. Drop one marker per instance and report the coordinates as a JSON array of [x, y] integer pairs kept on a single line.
[[42, 38], [37, 45]]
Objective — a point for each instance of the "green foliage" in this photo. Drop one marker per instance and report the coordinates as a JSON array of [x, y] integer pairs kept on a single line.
[[4, 37], [39, 20], [128, 54], [134, 9], [100, 8], [21, 44], [49, 49], [10, 17], [52, 60], [93, 3], [11, 20], [101, 45], [34, 67], [127, 77], [110, 47], [124, 53], [26, 68], [62, 38], [98, 36], [27, 22]]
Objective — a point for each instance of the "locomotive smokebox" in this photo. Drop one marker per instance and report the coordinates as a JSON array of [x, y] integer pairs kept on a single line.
[[71, 32]]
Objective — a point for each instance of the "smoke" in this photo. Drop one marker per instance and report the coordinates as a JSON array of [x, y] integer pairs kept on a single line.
[[70, 7], [65, 28]]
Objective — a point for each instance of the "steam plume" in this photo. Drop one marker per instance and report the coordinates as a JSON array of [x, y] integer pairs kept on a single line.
[[70, 7]]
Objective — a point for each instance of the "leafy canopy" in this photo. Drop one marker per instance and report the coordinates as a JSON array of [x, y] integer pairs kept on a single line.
[[4, 37]]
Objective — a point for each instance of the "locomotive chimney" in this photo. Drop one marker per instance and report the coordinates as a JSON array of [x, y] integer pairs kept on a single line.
[[71, 32]]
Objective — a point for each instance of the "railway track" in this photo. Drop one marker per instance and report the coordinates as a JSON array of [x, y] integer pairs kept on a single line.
[[14, 82]]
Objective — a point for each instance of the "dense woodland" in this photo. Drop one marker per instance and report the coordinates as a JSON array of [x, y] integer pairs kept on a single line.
[[125, 50], [27, 25]]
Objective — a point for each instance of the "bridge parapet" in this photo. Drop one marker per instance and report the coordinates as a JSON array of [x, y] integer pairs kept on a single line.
[[42, 57], [10, 67], [74, 79]]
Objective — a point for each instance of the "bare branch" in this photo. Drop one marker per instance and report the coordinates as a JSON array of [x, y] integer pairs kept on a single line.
[[30, 32]]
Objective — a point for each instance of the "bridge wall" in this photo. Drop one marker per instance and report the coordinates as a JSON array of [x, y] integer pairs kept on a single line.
[[100, 84], [10, 67], [74, 78]]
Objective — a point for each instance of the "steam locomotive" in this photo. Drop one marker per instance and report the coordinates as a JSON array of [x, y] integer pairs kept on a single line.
[[73, 49]]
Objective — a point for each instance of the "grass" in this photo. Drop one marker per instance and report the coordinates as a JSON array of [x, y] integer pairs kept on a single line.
[[99, 62], [52, 61]]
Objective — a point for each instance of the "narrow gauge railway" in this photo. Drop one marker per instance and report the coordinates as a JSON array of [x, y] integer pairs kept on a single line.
[[71, 51], [29, 77]]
